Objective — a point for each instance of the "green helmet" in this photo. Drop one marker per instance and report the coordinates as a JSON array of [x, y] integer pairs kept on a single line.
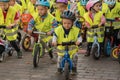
[[4, 0]]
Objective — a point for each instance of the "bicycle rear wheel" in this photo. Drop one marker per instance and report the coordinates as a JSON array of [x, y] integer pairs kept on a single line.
[[36, 56], [95, 53], [66, 73]]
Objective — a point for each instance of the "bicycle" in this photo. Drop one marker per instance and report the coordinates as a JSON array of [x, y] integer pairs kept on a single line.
[[95, 50], [116, 50], [8, 48], [66, 63], [108, 41], [26, 40], [39, 48]]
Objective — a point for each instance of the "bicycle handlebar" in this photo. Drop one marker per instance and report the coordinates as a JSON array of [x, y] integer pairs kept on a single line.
[[68, 43], [2, 26], [43, 33], [113, 20], [94, 26]]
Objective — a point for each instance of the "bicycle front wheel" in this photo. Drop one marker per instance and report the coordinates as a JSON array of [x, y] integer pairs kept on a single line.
[[114, 54], [36, 56], [95, 52], [66, 73]]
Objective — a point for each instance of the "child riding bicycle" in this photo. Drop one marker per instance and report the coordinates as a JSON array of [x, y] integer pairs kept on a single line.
[[44, 21], [94, 17], [111, 10], [10, 18], [65, 33]]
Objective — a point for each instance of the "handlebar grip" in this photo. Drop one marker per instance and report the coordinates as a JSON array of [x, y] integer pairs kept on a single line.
[[2, 26], [68, 43], [94, 26]]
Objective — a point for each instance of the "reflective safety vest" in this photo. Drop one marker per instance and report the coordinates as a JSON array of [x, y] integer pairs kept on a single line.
[[81, 9], [57, 15], [112, 14], [32, 10], [18, 8], [62, 37], [24, 5], [116, 24], [45, 25], [96, 21], [11, 34]]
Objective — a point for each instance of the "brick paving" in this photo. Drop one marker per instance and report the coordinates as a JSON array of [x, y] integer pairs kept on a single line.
[[88, 69]]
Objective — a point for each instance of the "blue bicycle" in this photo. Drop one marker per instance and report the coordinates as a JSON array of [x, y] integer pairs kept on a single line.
[[95, 50], [108, 38], [66, 63]]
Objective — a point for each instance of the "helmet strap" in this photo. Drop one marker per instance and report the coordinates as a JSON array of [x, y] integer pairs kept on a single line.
[[93, 10]]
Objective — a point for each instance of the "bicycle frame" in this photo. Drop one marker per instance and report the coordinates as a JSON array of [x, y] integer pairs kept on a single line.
[[39, 41], [65, 59]]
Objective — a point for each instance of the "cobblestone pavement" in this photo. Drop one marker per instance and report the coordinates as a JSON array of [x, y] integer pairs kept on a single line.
[[88, 69]]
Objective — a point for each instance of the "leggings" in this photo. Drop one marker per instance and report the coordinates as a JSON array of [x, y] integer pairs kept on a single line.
[[15, 45], [2, 49]]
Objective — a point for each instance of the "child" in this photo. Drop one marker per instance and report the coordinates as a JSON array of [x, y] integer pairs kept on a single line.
[[17, 7], [61, 6], [10, 18], [44, 21], [81, 7], [66, 33], [111, 10], [32, 9], [94, 17]]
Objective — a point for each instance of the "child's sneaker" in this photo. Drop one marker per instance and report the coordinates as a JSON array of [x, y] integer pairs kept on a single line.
[[74, 71], [1, 58], [19, 55], [59, 71]]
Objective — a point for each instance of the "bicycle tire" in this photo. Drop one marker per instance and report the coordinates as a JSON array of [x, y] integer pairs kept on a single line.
[[119, 57], [107, 48], [114, 53], [66, 73], [10, 53], [36, 56], [19, 38], [95, 54], [26, 43]]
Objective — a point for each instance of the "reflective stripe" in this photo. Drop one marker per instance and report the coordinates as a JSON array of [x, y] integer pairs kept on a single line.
[[99, 35], [91, 32], [11, 34], [70, 49], [96, 30]]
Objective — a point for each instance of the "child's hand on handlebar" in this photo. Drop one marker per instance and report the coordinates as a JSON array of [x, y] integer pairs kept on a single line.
[[54, 43], [49, 33], [77, 43]]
